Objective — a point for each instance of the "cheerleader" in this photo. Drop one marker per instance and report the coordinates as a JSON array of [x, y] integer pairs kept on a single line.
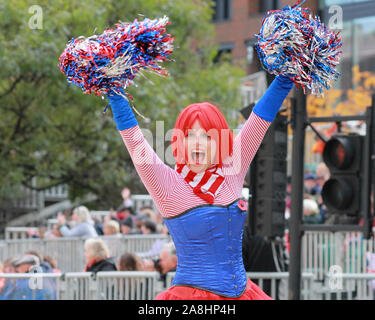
[[199, 200]]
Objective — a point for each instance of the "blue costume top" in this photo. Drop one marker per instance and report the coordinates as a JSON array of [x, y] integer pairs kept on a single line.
[[217, 256]]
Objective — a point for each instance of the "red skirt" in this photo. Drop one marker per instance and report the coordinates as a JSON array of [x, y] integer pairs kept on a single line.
[[252, 292]]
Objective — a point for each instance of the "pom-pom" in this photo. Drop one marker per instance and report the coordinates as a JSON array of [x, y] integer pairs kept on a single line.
[[109, 62], [293, 43]]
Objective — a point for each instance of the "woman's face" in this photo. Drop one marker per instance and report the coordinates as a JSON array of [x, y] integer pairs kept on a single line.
[[200, 148]]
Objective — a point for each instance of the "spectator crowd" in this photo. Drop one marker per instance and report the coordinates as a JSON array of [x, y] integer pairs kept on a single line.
[[80, 223]]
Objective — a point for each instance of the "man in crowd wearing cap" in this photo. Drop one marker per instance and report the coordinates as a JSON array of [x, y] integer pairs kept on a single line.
[[26, 288], [127, 225]]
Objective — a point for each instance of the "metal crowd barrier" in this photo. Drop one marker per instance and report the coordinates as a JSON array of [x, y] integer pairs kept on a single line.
[[117, 285], [139, 285], [348, 252], [321, 251], [69, 252]]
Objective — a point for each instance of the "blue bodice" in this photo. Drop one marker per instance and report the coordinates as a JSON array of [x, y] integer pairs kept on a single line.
[[208, 241]]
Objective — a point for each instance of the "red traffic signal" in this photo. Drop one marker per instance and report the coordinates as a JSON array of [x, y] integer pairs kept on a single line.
[[343, 156]]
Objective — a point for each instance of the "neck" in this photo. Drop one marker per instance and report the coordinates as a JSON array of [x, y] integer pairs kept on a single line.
[[199, 168]]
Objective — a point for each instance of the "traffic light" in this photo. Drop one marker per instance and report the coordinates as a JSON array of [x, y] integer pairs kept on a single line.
[[268, 180], [343, 155]]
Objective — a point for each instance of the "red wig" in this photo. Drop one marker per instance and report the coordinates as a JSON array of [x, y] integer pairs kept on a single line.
[[212, 120]]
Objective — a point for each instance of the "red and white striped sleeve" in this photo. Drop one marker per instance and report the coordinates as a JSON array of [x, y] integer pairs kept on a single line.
[[158, 178], [246, 144]]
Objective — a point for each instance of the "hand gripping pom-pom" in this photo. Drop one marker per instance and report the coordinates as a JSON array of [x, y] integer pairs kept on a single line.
[[109, 62], [293, 43]]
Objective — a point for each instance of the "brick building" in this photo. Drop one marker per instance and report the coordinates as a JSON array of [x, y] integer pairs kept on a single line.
[[236, 23]]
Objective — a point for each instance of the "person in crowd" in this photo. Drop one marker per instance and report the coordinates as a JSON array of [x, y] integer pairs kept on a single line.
[[311, 214], [148, 227], [98, 226], [83, 227], [125, 194], [154, 216], [46, 267], [311, 186], [56, 231], [20, 289], [97, 256], [9, 266], [126, 208], [127, 225], [166, 263], [38, 233], [129, 262], [111, 228], [147, 211], [52, 262], [123, 213]]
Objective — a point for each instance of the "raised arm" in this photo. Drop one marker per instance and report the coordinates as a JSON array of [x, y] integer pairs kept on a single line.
[[157, 177], [252, 133]]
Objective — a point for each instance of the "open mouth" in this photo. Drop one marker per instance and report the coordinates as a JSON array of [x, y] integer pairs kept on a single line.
[[198, 156]]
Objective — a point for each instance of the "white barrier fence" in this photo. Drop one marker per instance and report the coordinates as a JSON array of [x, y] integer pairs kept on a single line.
[[120, 285], [348, 252], [321, 251], [139, 285], [69, 252]]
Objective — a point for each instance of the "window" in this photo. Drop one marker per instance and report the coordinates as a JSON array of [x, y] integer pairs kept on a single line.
[[222, 10], [358, 38], [267, 5], [224, 51]]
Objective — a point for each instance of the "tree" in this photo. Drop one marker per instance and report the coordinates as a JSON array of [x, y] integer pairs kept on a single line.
[[52, 133]]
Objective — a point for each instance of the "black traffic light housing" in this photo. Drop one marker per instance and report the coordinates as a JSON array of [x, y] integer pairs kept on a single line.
[[343, 155]]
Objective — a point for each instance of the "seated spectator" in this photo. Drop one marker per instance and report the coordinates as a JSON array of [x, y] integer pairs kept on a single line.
[[53, 263], [148, 227], [311, 213], [127, 225], [97, 256], [45, 265], [84, 226], [9, 266], [21, 290], [111, 228], [130, 262]]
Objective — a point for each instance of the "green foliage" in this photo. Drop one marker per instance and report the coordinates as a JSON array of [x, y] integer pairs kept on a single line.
[[51, 131]]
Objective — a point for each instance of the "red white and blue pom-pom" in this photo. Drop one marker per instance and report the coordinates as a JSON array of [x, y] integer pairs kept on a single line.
[[109, 62], [292, 42]]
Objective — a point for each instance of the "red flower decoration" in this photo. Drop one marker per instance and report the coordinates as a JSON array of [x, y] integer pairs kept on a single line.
[[242, 205]]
